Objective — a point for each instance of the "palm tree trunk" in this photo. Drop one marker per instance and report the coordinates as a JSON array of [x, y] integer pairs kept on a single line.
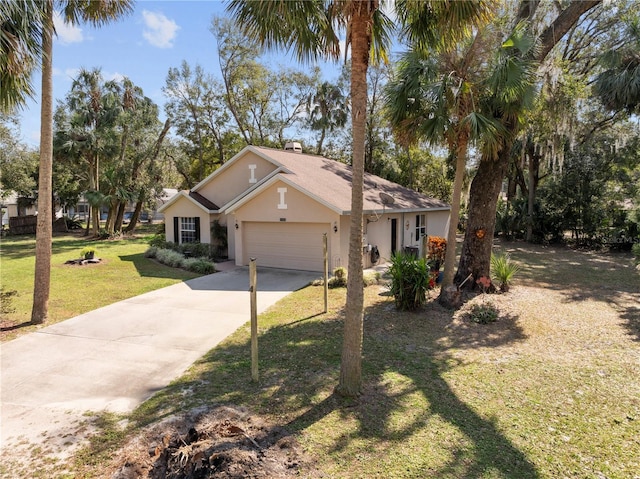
[[476, 252], [475, 257], [531, 196], [95, 229], [351, 364], [42, 281], [450, 254]]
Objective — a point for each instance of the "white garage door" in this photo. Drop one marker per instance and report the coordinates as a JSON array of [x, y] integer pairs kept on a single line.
[[285, 245]]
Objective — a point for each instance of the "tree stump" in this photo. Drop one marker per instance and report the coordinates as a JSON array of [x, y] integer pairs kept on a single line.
[[450, 297]]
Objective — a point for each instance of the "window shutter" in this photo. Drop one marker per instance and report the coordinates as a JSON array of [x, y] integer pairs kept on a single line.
[[176, 230], [197, 223]]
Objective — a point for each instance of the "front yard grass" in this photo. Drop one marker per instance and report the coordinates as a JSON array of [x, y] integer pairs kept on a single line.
[[550, 390], [123, 273]]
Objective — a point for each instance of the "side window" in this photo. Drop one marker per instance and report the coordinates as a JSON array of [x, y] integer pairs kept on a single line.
[[421, 226], [187, 230]]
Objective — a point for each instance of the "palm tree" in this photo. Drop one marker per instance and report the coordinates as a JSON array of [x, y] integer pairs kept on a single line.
[[508, 106], [328, 110], [437, 96], [311, 30], [618, 86], [33, 26]]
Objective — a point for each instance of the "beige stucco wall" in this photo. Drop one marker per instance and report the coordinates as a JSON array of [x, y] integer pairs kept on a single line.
[[300, 208], [378, 233], [438, 223], [183, 207], [234, 180]]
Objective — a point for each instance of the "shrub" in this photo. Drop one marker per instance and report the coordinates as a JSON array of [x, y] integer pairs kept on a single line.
[[220, 241], [175, 259], [436, 250], [199, 265], [503, 270], [88, 252], [170, 258], [410, 279], [484, 313], [195, 250], [159, 240], [72, 223], [339, 279], [371, 278]]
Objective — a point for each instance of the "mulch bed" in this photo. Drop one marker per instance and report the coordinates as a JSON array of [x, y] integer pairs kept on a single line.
[[222, 442]]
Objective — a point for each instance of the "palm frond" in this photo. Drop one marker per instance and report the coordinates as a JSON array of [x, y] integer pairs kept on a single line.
[[21, 23], [309, 29], [95, 12], [438, 23]]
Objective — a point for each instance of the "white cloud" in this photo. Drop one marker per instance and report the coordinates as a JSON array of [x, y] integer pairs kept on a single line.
[[159, 31], [72, 73], [108, 76], [66, 33]]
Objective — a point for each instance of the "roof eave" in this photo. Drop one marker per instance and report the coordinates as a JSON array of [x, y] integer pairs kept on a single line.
[[184, 194]]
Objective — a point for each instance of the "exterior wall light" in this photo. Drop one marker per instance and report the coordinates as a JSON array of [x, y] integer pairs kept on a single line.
[[335, 227]]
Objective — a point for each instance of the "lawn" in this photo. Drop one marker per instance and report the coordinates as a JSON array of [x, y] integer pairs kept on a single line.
[[124, 272], [551, 390]]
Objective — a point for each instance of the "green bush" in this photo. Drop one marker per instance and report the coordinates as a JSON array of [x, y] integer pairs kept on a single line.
[[88, 252], [199, 265], [410, 278], [503, 270], [195, 250], [339, 279], [159, 240], [170, 258], [175, 259], [72, 223], [484, 313], [635, 249]]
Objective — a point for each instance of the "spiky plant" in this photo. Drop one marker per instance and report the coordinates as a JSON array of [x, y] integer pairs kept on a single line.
[[503, 269]]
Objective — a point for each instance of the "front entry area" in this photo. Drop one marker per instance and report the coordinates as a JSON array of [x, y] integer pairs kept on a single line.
[[285, 245]]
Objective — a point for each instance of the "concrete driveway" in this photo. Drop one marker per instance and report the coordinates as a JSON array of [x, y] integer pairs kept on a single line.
[[116, 357]]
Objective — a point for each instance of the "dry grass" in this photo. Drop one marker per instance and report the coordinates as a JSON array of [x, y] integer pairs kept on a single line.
[[550, 390]]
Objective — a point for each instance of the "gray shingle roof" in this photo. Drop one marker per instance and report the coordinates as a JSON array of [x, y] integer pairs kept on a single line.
[[330, 181], [203, 201]]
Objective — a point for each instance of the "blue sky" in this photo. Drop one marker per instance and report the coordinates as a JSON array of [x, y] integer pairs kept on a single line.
[[143, 46]]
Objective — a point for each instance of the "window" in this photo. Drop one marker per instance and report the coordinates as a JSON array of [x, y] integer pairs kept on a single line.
[[79, 210], [186, 229], [421, 226]]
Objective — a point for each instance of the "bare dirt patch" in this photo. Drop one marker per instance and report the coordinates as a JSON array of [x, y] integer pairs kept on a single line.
[[220, 442]]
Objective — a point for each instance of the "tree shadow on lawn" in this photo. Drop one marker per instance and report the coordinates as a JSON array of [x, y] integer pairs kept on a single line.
[[152, 269], [580, 275], [14, 327], [299, 365]]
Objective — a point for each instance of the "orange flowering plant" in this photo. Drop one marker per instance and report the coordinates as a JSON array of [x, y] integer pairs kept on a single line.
[[436, 248]]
